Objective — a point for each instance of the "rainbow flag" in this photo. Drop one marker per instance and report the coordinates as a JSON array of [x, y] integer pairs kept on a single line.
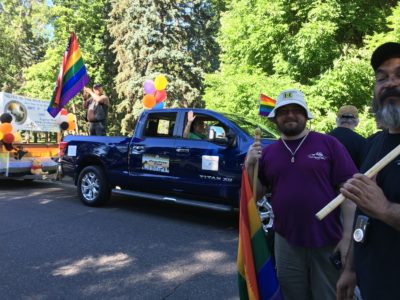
[[71, 79], [257, 278], [267, 104]]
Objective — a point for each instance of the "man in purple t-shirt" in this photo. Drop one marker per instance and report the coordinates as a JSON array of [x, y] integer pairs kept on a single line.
[[303, 171]]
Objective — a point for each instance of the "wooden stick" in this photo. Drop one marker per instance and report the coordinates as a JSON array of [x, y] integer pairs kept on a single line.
[[257, 136], [370, 173]]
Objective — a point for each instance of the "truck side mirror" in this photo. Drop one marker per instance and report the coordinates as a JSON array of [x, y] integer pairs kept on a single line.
[[218, 135]]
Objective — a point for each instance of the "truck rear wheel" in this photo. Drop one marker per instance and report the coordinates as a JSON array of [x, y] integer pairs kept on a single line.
[[93, 188]]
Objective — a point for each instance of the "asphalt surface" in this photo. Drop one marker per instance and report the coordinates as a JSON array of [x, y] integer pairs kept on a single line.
[[53, 247]]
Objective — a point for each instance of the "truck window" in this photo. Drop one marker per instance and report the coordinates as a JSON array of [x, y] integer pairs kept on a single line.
[[160, 125], [202, 131]]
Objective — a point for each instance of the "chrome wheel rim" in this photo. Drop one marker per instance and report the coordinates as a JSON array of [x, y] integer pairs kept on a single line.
[[90, 186], [266, 214]]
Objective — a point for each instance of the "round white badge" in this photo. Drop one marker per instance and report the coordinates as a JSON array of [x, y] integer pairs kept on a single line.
[[358, 235]]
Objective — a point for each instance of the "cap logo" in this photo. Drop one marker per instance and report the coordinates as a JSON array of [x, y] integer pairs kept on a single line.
[[287, 95]]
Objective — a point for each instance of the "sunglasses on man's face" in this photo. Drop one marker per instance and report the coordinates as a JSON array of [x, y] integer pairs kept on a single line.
[[293, 110]]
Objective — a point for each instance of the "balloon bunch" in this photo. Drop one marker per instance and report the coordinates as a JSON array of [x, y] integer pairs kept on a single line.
[[155, 92], [67, 120], [7, 135]]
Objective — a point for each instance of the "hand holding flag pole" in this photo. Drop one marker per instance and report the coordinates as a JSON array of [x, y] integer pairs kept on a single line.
[[256, 272], [370, 173]]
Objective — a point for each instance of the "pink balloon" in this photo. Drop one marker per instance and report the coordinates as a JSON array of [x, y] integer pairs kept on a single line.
[[148, 87], [160, 96]]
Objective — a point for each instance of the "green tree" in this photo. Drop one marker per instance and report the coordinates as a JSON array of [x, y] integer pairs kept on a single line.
[[173, 38], [23, 39], [89, 20], [320, 47]]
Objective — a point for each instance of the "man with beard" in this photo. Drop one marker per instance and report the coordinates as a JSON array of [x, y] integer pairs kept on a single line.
[[374, 258], [303, 171]]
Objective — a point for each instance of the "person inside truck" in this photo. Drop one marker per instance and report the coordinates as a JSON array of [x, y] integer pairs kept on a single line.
[[195, 128]]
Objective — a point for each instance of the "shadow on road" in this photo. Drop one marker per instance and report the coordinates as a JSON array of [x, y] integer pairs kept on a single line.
[[169, 210], [147, 207]]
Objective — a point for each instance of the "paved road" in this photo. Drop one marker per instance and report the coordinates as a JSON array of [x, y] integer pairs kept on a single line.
[[53, 247]]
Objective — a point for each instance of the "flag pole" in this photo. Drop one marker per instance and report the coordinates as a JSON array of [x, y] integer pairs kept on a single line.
[[75, 118], [370, 173], [257, 136]]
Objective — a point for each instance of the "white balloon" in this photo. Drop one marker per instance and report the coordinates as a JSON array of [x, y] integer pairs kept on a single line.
[[62, 118]]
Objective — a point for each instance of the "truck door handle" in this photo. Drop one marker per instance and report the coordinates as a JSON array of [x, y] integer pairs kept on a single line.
[[182, 150], [137, 149]]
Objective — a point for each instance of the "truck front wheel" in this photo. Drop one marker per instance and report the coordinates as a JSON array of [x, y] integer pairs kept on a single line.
[[92, 186]]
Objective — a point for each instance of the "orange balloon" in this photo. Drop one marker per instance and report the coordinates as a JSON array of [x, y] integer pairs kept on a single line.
[[71, 125], [149, 101], [5, 128]]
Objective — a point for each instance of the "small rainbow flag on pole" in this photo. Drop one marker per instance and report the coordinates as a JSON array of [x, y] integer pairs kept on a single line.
[[267, 104], [257, 278], [71, 79]]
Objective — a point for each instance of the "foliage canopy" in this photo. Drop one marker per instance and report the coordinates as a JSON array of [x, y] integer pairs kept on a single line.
[[215, 53], [320, 47]]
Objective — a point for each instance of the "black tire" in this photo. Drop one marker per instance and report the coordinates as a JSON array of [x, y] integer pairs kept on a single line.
[[93, 188]]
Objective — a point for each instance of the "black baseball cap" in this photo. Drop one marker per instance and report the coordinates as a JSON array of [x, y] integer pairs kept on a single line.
[[383, 53], [97, 85]]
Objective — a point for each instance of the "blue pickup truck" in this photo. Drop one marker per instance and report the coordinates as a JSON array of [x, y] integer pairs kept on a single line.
[[158, 163]]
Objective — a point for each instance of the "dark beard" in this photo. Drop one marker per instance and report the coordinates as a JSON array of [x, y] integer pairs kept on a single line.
[[291, 131], [389, 115], [377, 102]]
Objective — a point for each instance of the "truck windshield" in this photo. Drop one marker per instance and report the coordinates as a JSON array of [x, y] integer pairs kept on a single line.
[[249, 127]]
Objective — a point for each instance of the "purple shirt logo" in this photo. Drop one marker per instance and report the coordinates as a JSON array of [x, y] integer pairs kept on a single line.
[[317, 156]]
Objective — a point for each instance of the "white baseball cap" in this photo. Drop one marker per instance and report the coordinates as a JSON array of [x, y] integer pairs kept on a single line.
[[291, 96]]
